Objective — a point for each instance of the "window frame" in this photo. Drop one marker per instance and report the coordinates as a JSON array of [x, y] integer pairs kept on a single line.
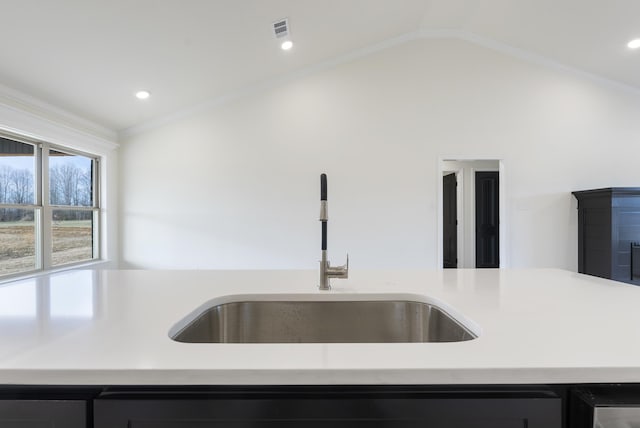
[[43, 209]]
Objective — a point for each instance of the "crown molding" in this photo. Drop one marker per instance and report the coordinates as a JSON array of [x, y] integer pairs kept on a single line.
[[422, 34], [16, 104], [538, 59]]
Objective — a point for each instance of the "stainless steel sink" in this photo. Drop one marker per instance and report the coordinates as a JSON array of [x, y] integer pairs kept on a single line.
[[382, 321]]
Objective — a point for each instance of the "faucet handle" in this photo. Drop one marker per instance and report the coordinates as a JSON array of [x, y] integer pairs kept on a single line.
[[339, 271], [346, 267]]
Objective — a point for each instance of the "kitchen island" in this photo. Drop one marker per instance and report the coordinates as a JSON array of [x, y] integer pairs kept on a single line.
[[108, 332], [112, 327]]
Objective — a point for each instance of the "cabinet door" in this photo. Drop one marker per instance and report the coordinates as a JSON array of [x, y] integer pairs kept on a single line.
[[42, 414], [325, 413]]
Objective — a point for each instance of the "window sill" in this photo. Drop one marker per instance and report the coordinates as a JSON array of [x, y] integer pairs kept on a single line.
[[93, 264]]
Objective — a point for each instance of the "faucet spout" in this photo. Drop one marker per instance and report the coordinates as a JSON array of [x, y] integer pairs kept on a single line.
[[326, 270]]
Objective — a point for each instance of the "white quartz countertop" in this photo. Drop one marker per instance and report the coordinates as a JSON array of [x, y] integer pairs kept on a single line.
[[112, 328]]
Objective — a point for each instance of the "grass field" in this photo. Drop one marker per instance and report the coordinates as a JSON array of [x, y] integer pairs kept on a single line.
[[72, 242]]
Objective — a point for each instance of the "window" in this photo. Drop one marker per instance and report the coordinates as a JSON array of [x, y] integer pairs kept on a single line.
[[49, 212]]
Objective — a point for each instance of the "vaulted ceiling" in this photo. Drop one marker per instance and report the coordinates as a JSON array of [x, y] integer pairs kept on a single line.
[[89, 56]]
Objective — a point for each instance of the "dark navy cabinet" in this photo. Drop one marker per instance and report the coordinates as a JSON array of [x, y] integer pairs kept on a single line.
[[312, 406], [337, 407], [43, 414], [608, 227]]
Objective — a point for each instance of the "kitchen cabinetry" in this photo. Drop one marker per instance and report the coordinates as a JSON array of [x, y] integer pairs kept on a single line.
[[43, 414], [409, 406], [336, 407], [608, 225]]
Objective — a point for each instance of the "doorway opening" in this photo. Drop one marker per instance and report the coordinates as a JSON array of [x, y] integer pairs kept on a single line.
[[471, 221]]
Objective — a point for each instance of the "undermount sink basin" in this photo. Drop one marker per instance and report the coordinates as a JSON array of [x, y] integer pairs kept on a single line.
[[375, 321]]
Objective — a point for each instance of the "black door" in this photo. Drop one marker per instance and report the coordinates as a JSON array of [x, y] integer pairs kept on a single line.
[[450, 222], [487, 220]]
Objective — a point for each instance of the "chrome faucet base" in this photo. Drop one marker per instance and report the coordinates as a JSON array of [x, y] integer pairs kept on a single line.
[[327, 271]]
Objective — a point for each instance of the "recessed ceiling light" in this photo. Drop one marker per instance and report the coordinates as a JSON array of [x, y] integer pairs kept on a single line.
[[143, 95], [634, 44], [286, 45]]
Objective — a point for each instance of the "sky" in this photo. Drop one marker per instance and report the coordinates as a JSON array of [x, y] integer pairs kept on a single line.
[[17, 162], [27, 162]]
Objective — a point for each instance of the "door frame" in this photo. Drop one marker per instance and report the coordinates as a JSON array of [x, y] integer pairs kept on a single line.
[[502, 191]]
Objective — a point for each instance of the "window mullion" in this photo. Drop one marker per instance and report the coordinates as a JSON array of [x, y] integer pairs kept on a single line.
[[46, 211], [96, 203], [38, 214], [95, 179]]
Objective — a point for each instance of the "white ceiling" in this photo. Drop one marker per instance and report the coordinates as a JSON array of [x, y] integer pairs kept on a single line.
[[89, 56]]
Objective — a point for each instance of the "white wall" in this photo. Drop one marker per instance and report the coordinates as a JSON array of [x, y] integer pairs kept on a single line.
[[238, 186]]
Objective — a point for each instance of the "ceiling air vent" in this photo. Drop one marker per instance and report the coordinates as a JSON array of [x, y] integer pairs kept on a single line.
[[281, 28]]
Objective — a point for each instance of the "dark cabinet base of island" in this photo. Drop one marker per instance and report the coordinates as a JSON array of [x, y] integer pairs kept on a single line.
[[406, 406], [336, 407], [283, 406], [43, 414]]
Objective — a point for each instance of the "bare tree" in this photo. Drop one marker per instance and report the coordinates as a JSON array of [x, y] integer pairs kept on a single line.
[[65, 185], [5, 184], [69, 174], [54, 188], [70, 185], [22, 186], [86, 188]]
